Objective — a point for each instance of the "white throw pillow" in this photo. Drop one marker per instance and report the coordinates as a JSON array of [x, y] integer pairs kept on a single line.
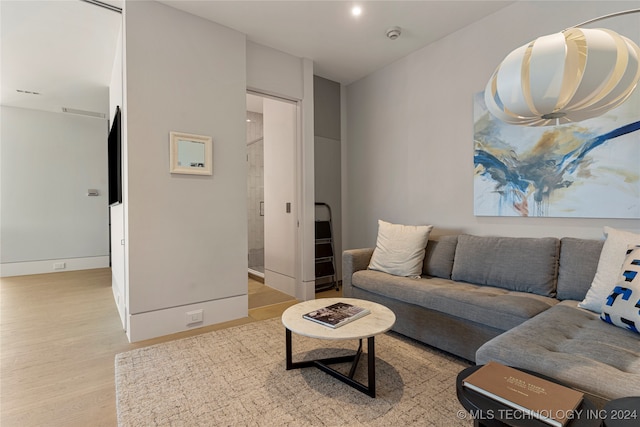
[[607, 275], [622, 306], [400, 249]]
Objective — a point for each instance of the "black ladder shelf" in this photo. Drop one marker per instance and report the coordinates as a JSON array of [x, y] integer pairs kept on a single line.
[[325, 253]]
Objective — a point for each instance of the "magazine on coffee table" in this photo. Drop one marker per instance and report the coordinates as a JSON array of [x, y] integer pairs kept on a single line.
[[336, 315]]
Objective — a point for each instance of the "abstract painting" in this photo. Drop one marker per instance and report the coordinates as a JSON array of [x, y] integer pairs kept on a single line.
[[589, 169]]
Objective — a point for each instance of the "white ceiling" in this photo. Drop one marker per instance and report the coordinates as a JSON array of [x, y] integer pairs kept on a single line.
[[343, 48], [64, 49]]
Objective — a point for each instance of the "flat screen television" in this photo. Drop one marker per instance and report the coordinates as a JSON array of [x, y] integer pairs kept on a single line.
[[115, 159]]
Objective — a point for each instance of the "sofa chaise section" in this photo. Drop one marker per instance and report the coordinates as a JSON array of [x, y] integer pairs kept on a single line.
[[572, 344]]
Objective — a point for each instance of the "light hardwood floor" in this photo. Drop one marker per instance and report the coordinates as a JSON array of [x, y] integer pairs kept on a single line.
[[59, 334]]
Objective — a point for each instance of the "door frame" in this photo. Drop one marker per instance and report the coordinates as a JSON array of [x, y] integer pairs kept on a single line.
[[300, 293]]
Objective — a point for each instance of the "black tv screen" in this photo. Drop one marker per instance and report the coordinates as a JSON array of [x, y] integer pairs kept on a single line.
[[115, 160]]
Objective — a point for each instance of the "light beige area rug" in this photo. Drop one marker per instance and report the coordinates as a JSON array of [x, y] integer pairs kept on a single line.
[[237, 377]]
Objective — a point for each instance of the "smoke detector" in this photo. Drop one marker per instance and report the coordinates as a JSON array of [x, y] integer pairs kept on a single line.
[[394, 32]]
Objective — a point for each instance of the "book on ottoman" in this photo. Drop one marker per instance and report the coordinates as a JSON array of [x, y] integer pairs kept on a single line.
[[542, 399], [336, 315]]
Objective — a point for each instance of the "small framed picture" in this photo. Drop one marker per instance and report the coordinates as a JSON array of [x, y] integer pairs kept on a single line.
[[190, 154]]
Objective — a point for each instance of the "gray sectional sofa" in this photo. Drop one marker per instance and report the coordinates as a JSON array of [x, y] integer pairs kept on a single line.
[[513, 300]]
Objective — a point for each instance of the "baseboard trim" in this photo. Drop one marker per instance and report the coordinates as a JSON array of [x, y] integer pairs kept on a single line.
[[47, 266], [152, 324], [280, 282], [255, 276]]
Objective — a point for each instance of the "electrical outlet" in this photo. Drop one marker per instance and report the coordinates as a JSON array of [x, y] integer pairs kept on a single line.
[[59, 266], [194, 317]]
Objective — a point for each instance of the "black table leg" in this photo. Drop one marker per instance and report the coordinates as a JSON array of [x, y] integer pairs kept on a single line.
[[288, 349], [372, 366], [356, 360], [322, 364]]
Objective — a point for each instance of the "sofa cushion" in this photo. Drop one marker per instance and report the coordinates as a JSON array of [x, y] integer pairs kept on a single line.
[[438, 259], [495, 307], [577, 266], [574, 346], [611, 258], [400, 249], [514, 263]]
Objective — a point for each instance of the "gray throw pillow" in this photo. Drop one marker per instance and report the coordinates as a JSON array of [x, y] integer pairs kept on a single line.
[[516, 263], [577, 266], [438, 260]]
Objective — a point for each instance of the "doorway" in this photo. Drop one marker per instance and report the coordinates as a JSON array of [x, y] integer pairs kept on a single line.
[[255, 185], [272, 134]]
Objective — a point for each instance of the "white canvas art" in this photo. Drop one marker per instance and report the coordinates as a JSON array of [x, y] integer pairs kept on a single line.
[[589, 169]]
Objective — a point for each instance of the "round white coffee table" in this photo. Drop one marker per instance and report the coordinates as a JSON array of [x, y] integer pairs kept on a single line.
[[379, 321]]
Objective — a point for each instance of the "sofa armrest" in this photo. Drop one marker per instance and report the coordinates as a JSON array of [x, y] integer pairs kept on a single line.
[[353, 260]]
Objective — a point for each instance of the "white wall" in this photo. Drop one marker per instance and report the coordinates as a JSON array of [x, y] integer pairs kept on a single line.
[[115, 87], [49, 161], [118, 272], [327, 158], [273, 72], [186, 234], [116, 225], [410, 129]]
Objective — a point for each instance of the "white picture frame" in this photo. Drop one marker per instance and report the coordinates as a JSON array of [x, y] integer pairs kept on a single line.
[[190, 154]]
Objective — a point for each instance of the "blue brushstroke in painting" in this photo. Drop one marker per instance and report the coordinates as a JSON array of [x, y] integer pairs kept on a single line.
[[543, 172], [596, 142]]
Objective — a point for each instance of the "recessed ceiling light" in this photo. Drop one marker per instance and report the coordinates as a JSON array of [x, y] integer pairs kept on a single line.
[[356, 11]]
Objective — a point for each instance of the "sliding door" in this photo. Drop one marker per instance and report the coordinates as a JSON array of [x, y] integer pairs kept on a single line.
[[280, 204]]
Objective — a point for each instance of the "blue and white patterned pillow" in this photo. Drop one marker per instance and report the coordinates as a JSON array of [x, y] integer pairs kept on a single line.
[[622, 306]]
